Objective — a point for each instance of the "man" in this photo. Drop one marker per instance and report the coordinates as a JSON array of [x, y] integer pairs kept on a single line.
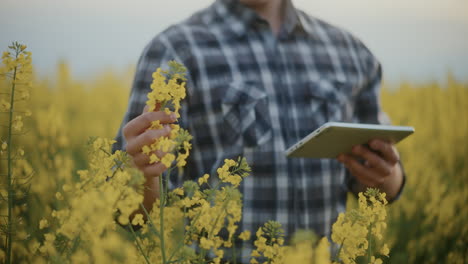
[[261, 76]]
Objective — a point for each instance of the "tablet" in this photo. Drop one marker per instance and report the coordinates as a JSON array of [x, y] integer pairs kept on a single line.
[[334, 138]]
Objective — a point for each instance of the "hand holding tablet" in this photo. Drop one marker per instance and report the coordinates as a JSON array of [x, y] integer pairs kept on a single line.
[[334, 138]]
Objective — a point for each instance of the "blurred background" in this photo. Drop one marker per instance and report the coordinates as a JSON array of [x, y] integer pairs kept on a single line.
[[85, 51], [415, 40]]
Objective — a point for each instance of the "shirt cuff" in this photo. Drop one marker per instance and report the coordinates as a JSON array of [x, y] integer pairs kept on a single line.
[[397, 196]]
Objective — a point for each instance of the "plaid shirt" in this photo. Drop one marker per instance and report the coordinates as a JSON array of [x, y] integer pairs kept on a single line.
[[254, 94]]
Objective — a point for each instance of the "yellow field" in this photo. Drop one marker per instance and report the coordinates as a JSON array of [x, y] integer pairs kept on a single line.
[[427, 225]]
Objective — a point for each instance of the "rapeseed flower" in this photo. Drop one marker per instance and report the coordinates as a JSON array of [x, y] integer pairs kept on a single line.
[[15, 72], [357, 230], [167, 90], [43, 224]]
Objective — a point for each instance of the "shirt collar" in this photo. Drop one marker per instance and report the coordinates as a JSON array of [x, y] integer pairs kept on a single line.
[[240, 17]]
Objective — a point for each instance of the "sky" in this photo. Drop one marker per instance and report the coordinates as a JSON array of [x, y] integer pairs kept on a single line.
[[419, 40]]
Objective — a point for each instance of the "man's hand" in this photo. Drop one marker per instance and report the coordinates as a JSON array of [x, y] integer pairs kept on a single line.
[[137, 135], [375, 166]]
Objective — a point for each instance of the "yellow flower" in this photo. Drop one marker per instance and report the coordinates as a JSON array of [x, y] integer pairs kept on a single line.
[[206, 243], [66, 188], [18, 123], [253, 261], [375, 260], [59, 196], [269, 242], [322, 252], [168, 159], [384, 250], [156, 125], [24, 95], [153, 158], [138, 220], [165, 144], [4, 105], [352, 230], [166, 92], [178, 191], [203, 179], [146, 150], [43, 223], [245, 235], [181, 160], [34, 246]]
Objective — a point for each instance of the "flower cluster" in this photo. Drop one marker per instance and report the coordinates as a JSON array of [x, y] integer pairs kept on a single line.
[[167, 91], [15, 171], [168, 88], [207, 214], [359, 229], [16, 64], [307, 248], [17, 68], [269, 243], [229, 173], [83, 227]]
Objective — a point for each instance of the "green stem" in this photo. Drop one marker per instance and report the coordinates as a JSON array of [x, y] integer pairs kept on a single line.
[[152, 226], [162, 204], [337, 256], [192, 223], [166, 181], [76, 242], [369, 248], [10, 176], [138, 243], [179, 246]]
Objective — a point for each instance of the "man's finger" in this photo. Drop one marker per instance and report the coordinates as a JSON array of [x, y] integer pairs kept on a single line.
[[142, 122], [367, 176], [372, 159], [154, 170], [386, 149], [141, 160], [135, 144], [147, 108]]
